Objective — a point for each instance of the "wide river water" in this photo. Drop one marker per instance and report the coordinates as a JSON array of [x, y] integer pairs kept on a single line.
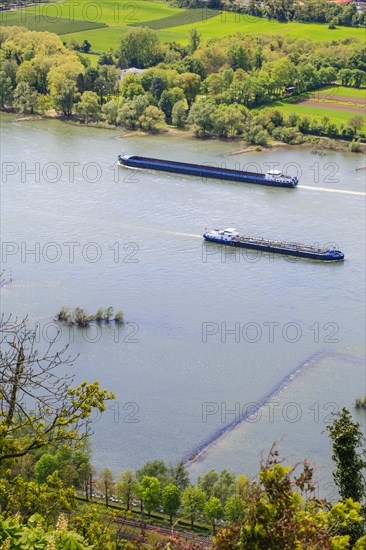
[[211, 333]]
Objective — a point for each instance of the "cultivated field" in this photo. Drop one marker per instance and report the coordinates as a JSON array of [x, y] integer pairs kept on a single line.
[[186, 17], [338, 103], [57, 25], [86, 20]]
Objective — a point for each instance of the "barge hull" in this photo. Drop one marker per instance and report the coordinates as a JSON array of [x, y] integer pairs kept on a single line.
[[224, 174], [269, 249]]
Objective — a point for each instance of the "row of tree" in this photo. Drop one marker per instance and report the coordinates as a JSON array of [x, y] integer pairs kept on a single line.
[[80, 317], [307, 11]]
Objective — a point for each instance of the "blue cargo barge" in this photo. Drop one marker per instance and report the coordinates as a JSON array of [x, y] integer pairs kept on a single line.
[[273, 178], [231, 237]]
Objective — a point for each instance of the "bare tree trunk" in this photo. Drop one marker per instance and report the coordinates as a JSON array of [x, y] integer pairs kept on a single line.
[[18, 372]]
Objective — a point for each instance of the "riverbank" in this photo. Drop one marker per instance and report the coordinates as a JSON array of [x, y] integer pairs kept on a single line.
[[320, 143]]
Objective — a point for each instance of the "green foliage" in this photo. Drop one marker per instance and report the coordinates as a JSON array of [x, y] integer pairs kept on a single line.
[[349, 455], [150, 493], [152, 119], [130, 112], [140, 47], [202, 117], [171, 499], [234, 509], [25, 98], [34, 535], [169, 98], [119, 318], [127, 488], [94, 527], [213, 511], [179, 116], [193, 501], [29, 497], [190, 84], [274, 516], [154, 468], [88, 107], [54, 418], [107, 483], [194, 41]]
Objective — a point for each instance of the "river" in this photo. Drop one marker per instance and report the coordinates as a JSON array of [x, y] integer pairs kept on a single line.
[[211, 334]]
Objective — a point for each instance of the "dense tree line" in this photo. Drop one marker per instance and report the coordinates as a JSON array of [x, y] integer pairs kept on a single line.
[[306, 11], [214, 86]]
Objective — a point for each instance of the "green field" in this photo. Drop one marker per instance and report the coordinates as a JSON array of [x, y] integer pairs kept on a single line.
[[66, 18], [336, 116], [231, 23], [183, 18], [93, 59], [359, 93], [59, 26]]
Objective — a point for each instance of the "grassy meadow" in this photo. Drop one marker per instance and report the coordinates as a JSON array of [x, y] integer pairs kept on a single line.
[[105, 22]]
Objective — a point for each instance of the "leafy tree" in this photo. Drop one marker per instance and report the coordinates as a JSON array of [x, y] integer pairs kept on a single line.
[[127, 487], [239, 58], [89, 107], [158, 85], [45, 466], [25, 97], [86, 46], [168, 99], [193, 64], [27, 73], [213, 511], [190, 84], [194, 40], [129, 112], [110, 111], [154, 468], [224, 486], [107, 483], [234, 509], [356, 123], [171, 498], [36, 535], [62, 84], [93, 527], [29, 497], [131, 86], [150, 493], [193, 500], [105, 59], [207, 482], [39, 407], [229, 120], [275, 517], [152, 119], [180, 476], [6, 90], [179, 114], [140, 48], [202, 116], [347, 438]]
